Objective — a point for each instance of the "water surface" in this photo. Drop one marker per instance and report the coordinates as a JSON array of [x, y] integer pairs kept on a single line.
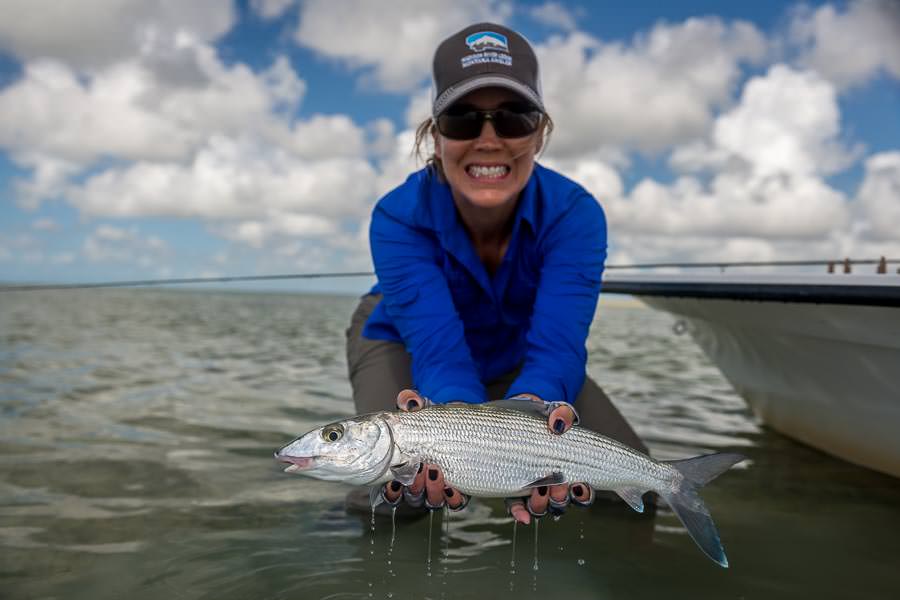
[[137, 429]]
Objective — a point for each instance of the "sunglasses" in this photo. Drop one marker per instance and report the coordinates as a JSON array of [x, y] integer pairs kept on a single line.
[[464, 122]]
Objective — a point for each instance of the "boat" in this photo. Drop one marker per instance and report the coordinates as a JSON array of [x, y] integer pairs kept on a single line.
[[815, 356]]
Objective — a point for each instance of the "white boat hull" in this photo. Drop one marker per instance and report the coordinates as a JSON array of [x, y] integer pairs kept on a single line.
[[825, 374]]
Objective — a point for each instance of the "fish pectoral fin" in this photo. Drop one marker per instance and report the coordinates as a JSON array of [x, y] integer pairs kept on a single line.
[[375, 497], [406, 472], [554, 478], [633, 496]]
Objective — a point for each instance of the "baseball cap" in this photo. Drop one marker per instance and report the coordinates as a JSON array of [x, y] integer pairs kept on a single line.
[[484, 55]]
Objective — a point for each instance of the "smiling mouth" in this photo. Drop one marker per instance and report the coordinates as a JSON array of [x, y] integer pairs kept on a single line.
[[488, 172], [296, 463]]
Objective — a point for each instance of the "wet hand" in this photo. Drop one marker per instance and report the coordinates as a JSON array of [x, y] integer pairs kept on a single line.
[[428, 488], [555, 498]]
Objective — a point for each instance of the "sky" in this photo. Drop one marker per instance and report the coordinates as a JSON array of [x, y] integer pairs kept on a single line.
[[163, 138]]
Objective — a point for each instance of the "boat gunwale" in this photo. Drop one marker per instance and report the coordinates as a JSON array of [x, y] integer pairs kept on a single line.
[[814, 291]]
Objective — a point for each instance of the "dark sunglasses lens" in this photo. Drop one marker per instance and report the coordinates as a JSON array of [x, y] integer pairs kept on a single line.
[[513, 124], [466, 124], [460, 125]]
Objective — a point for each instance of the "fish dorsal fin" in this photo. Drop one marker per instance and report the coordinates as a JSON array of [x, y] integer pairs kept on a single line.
[[537, 408], [406, 472], [633, 497], [554, 478], [525, 405]]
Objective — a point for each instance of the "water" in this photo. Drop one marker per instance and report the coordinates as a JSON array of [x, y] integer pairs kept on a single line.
[[137, 430]]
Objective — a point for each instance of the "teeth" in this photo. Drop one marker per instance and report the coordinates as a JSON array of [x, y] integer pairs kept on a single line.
[[479, 171]]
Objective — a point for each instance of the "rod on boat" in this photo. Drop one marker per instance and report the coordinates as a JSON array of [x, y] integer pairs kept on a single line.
[[845, 264]]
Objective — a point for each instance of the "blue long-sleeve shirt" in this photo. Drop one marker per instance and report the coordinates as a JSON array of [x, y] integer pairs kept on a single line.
[[464, 326]]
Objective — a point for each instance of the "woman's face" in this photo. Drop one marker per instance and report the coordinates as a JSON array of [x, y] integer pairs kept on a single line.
[[488, 171]]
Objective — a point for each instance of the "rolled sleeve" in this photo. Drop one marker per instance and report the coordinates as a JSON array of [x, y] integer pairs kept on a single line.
[[574, 250], [418, 301]]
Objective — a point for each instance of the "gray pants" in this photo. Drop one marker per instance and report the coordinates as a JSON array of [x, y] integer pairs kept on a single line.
[[380, 369]]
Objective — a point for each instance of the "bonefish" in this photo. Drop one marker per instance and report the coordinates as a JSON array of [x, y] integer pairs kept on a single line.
[[503, 449]]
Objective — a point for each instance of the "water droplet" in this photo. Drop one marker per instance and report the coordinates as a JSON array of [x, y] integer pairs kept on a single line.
[[428, 560]]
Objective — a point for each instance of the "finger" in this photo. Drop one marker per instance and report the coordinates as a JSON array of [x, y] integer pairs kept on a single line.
[[559, 499], [434, 486], [560, 493], [537, 502], [582, 494], [418, 484], [455, 499], [392, 492], [518, 511], [561, 419], [409, 400]]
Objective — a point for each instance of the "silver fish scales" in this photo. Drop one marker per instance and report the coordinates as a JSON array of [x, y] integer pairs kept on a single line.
[[481, 450], [501, 449]]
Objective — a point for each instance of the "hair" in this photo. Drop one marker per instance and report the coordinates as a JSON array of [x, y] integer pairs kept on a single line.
[[427, 129]]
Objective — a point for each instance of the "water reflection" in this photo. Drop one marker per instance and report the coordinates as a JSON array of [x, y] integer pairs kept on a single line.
[[135, 461]]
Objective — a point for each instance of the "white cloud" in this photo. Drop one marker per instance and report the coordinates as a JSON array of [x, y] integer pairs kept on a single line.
[[97, 33], [789, 207], [271, 9], [258, 233], [230, 178], [45, 224], [334, 136], [392, 42], [786, 122], [419, 107], [125, 111], [108, 243], [658, 91], [851, 46], [879, 196], [554, 14], [762, 195]]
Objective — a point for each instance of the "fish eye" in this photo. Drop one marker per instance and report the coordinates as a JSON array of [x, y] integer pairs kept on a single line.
[[333, 433]]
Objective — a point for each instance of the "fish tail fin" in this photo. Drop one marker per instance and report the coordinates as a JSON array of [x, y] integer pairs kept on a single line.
[[689, 507]]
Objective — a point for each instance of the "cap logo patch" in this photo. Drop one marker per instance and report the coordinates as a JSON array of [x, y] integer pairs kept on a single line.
[[487, 40], [489, 47]]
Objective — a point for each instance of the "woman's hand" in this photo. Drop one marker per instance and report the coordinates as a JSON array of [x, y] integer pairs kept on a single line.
[[555, 498], [428, 488]]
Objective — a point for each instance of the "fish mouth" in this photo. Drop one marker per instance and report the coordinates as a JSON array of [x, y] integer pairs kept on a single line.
[[296, 463]]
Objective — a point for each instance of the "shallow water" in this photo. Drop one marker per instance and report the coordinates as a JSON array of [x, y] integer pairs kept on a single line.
[[137, 429]]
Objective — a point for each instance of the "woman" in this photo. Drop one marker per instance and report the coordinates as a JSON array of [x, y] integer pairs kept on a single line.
[[488, 266]]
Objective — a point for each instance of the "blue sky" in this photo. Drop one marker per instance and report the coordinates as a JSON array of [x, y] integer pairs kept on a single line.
[[156, 138]]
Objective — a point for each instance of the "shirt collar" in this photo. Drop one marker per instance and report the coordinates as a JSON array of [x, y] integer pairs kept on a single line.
[[439, 211]]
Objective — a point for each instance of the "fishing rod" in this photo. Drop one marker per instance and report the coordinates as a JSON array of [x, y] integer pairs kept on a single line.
[[844, 263]]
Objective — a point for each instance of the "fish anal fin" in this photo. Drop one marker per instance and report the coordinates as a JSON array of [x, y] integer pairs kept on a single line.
[[554, 478], [633, 496]]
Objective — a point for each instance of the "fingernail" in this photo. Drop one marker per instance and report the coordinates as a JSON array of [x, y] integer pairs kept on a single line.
[[395, 486], [411, 404], [559, 426], [542, 491], [578, 490], [421, 466], [432, 474], [448, 492]]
